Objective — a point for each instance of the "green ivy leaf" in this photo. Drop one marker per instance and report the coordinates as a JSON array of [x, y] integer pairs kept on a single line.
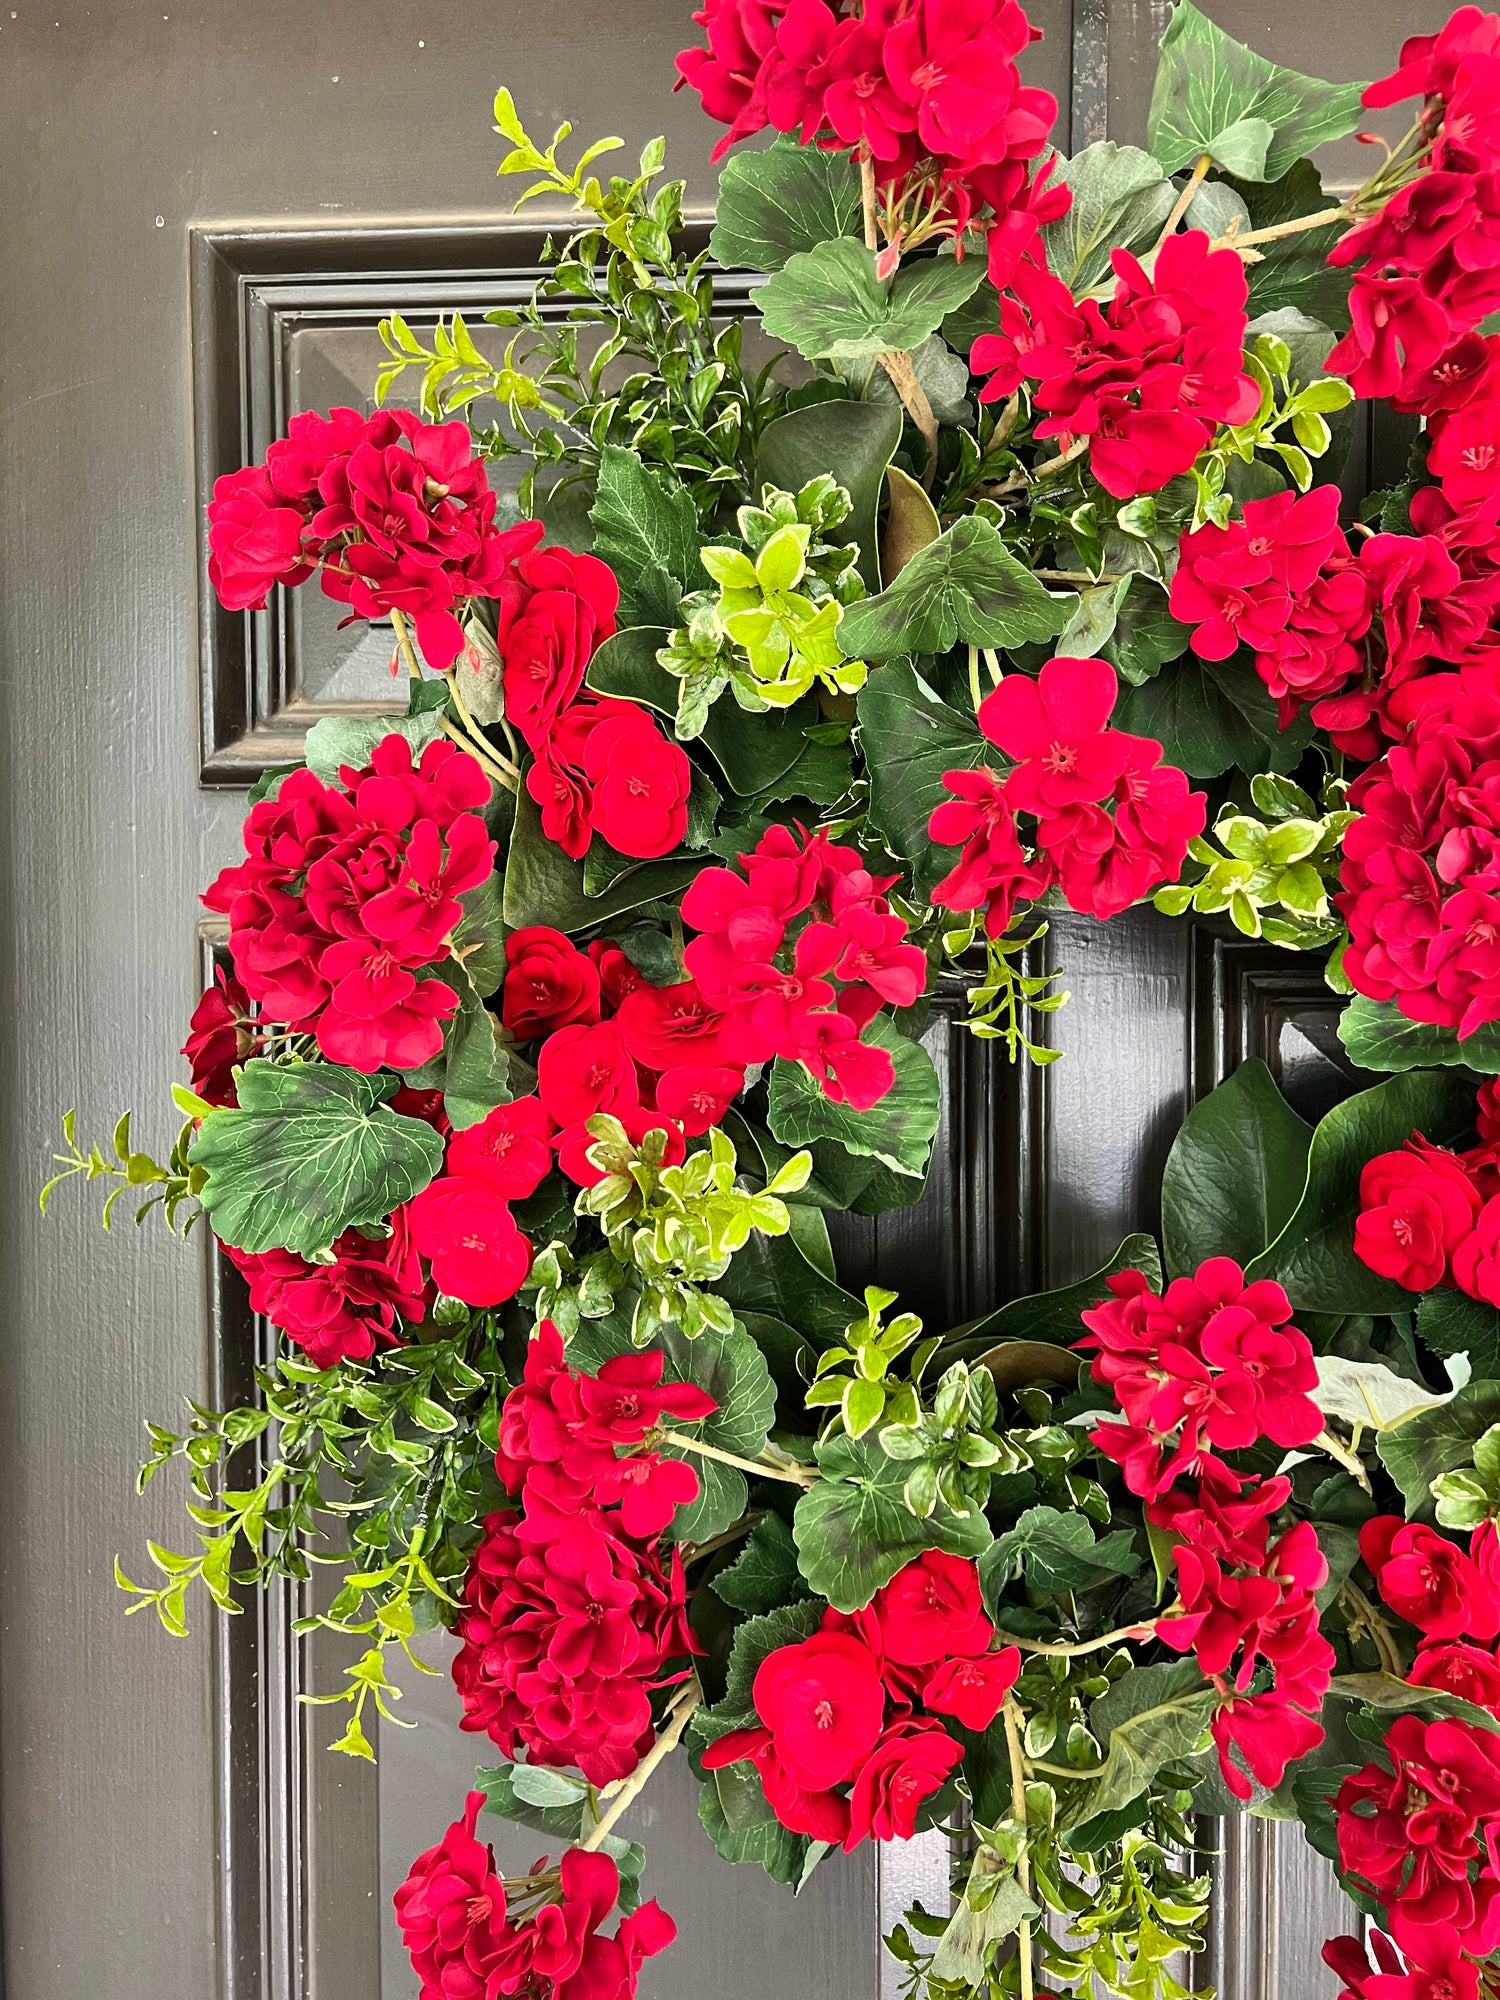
[[1213, 94], [787, 199], [754, 1641], [829, 304], [480, 937], [1437, 1440], [1450, 1322], [548, 1801], [854, 1530], [1151, 1716], [336, 740], [1235, 1172], [310, 1151], [648, 534], [1146, 635], [1378, 1036], [910, 739], [1059, 1553], [764, 1574], [853, 441], [964, 588], [899, 1130], [1313, 1257], [1121, 198]]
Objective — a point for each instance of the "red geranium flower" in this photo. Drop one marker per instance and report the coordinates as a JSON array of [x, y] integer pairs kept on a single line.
[[466, 1231], [823, 1704], [549, 983], [912, 1760]]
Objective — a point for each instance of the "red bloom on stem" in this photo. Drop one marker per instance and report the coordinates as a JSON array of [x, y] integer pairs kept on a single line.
[[1457, 1668], [667, 1026], [510, 1149], [549, 983], [823, 1704], [1268, 1734], [1417, 1206], [339, 1311], [222, 1037], [641, 782], [992, 873], [1428, 1580], [697, 1098], [932, 1610], [451, 1913], [912, 1760], [581, 1070], [973, 1691], [468, 1234], [254, 538], [1057, 729], [555, 609]]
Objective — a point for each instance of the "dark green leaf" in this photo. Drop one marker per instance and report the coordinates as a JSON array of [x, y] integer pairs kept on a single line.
[[480, 938], [1314, 1255], [1451, 1322], [1378, 1036], [1146, 635], [764, 1574], [853, 441], [1294, 270], [1052, 1316], [854, 1529], [542, 886], [898, 1130], [1437, 1440], [783, 1855], [787, 1625], [967, 588], [1121, 198], [1209, 86], [772, 1276], [561, 1818], [1235, 1172], [1210, 714], [310, 1151], [645, 531], [786, 199], [1058, 1552], [474, 1070], [829, 304], [910, 739]]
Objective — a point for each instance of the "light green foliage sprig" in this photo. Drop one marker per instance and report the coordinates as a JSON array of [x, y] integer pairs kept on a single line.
[[1006, 994], [1284, 408], [617, 344], [173, 1181], [1271, 874], [855, 1379], [769, 632], [382, 1470], [1470, 1494], [675, 1229]]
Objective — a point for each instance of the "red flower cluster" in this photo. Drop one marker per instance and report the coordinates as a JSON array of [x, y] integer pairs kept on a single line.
[[347, 894], [650, 1056], [841, 1708], [1147, 377], [222, 1036], [1420, 1838], [1112, 821], [570, 1617], [798, 949], [600, 765], [1421, 867], [453, 1918], [1429, 260], [1210, 1366], [337, 1312], [928, 89], [394, 514], [1432, 1583], [462, 1222], [1430, 1217], [1437, 1971]]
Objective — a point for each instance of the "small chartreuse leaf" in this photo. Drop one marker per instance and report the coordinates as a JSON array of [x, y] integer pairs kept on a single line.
[[964, 588], [829, 304], [310, 1151], [790, 198], [854, 1530], [1235, 1172], [899, 1130], [1215, 96]]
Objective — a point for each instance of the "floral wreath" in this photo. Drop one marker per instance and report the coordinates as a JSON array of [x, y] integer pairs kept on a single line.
[[565, 1006]]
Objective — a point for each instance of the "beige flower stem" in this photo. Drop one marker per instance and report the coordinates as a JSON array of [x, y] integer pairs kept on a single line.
[[803, 1475], [1184, 200], [974, 688], [675, 1721], [509, 775], [897, 365], [992, 664], [1052, 1649], [404, 645], [867, 200], [1013, 1721], [1048, 466], [1365, 1619], [467, 739]]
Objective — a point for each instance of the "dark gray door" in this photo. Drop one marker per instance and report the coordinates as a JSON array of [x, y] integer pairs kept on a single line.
[[206, 206]]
